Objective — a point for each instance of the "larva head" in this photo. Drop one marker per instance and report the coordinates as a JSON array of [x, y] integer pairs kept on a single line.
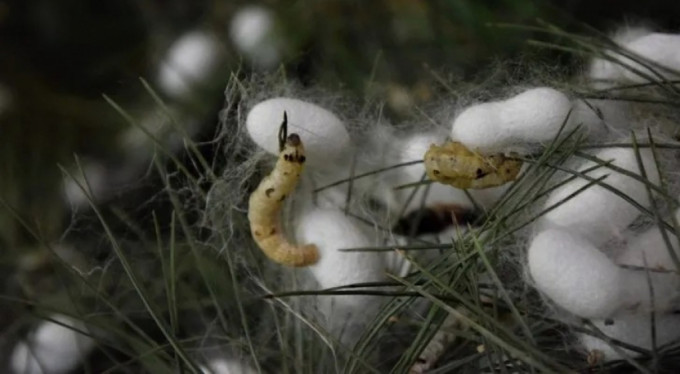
[[292, 140]]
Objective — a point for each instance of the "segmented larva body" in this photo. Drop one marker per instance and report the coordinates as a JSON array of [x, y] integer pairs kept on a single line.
[[454, 164], [266, 201]]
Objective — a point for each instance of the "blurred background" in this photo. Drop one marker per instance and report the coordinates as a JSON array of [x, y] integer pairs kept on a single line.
[[63, 65], [59, 58]]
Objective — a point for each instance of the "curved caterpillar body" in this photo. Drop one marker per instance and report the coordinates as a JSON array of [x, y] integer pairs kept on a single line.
[[266, 201], [454, 164]]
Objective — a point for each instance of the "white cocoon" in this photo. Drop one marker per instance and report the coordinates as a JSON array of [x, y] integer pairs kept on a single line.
[[575, 274], [604, 70], [52, 348], [253, 34], [323, 134], [650, 248], [597, 213], [651, 244], [635, 329], [532, 117], [191, 60], [601, 116], [662, 49], [331, 230], [95, 173]]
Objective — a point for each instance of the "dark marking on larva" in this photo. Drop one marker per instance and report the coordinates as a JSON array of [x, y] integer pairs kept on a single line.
[[480, 173], [436, 172], [269, 191], [273, 231], [302, 159], [282, 198]]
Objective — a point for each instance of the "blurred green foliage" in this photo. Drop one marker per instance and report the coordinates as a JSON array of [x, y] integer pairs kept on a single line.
[[59, 57]]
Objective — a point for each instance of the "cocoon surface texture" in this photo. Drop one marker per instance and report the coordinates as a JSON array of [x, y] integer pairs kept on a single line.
[[532, 117], [652, 246], [597, 213], [650, 250], [659, 48], [331, 230], [635, 329], [322, 132], [575, 274]]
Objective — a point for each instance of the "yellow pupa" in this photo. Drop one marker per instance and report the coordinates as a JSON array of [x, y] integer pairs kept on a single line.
[[456, 165]]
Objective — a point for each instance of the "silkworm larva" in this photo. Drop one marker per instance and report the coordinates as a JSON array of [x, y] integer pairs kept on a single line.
[[454, 164], [266, 201]]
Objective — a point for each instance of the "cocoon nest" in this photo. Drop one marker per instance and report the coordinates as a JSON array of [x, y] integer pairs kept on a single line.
[[572, 256]]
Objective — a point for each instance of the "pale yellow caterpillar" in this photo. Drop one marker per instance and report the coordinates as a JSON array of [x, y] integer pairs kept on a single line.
[[266, 201], [454, 164]]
